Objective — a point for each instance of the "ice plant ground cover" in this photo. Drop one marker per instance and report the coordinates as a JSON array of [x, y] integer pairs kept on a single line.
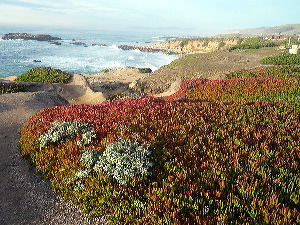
[[229, 161], [283, 59], [45, 75], [263, 84]]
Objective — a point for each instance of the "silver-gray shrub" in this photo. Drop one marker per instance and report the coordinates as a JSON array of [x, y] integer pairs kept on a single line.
[[63, 130], [89, 158], [78, 178], [123, 160], [82, 174]]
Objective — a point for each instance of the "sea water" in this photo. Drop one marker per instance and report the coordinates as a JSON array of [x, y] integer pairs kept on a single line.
[[100, 52]]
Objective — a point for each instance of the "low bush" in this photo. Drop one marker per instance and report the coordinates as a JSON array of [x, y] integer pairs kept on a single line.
[[184, 42], [221, 44], [173, 64], [145, 70], [11, 88], [63, 130], [204, 163], [283, 59], [105, 70], [279, 72], [123, 160], [122, 96], [263, 84], [45, 75], [252, 43]]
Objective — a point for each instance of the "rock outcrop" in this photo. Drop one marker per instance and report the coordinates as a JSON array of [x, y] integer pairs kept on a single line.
[[77, 91], [116, 81], [148, 48], [79, 43], [185, 45], [25, 36]]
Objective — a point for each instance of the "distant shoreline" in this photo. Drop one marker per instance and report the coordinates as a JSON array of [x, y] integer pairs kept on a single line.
[[26, 36], [82, 53], [182, 46]]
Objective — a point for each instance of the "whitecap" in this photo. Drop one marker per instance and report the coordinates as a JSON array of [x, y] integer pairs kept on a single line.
[[76, 59], [114, 47]]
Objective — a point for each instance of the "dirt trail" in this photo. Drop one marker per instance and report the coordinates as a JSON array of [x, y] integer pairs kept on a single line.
[[25, 197]]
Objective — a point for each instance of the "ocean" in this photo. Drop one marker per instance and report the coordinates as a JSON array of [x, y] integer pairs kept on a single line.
[[99, 52]]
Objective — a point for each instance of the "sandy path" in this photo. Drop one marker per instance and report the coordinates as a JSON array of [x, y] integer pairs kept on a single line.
[[25, 198]]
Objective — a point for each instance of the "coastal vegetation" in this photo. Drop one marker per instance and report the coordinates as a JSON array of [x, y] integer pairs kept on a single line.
[[261, 84], [122, 96], [186, 45], [145, 70], [221, 44], [45, 75], [184, 42], [216, 152], [282, 59], [141, 70], [224, 149], [252, 43], [11, 88]]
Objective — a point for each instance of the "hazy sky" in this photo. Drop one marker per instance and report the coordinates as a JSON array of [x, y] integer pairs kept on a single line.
[[198, 16]]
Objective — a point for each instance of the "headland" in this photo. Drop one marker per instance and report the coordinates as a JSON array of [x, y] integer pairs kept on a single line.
[[26, 36], [186, 45], [38, 204]]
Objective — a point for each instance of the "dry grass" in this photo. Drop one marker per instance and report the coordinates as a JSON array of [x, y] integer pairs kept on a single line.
[[212, 65]]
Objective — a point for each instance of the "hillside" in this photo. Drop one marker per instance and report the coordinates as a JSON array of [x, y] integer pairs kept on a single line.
[[216, 152], [288, 29], [245, 152], [212, 65], [186, 45]]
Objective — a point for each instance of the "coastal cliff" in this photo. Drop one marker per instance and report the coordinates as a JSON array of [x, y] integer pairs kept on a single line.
[[186, 45], [25, 36]]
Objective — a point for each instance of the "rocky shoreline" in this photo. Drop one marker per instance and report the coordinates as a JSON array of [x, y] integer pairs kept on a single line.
[[26, 36], [185, 45], [44, 37], [147, 48], [175, 46]]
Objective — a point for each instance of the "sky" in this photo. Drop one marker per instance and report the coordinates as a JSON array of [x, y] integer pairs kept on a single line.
[[193, 16]]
